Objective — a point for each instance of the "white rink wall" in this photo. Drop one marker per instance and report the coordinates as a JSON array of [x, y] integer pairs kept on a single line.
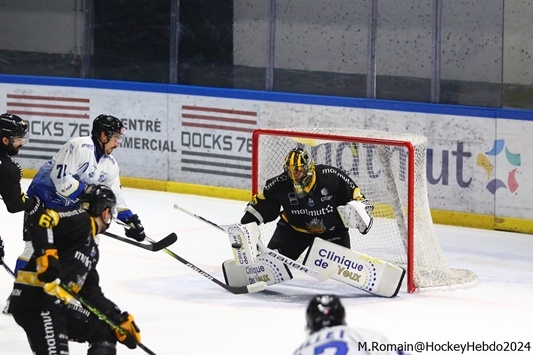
[[479, 165]]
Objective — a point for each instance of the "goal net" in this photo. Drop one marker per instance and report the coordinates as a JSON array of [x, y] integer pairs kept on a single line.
[[390, 169]]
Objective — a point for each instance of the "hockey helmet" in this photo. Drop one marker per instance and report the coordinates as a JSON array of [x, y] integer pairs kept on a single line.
[[108, 124], [324, 311], [12, 127], [300, 168], [96, 198]]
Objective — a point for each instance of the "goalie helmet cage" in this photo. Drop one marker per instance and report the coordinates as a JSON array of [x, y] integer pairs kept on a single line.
[[390, 170]]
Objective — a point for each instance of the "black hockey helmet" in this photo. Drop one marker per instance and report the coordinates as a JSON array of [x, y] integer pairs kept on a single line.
[[298, 160], [96, 198], [12, 126], [108, 124], [324, 311]]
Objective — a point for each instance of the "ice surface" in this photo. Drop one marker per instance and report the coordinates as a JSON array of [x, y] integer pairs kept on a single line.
[[181, 312]]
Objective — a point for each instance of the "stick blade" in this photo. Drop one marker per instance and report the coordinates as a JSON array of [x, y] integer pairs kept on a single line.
[[165, 242]]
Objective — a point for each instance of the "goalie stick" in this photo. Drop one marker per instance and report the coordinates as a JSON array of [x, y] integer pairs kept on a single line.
[[258, 286], [153, 246], [295, 264]]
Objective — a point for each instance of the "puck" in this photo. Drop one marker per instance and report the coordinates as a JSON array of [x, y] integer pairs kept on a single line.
[[236, 246]]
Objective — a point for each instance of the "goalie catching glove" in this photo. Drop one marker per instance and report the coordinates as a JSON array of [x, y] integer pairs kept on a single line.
[[357, 214], [130, 334], [136, 229]]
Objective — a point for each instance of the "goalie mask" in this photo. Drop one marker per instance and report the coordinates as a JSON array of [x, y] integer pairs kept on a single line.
[[15, 129], [300, 169], [324, 311]]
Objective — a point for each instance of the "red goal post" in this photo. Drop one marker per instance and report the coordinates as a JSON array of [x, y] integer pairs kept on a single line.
[[390, 169]]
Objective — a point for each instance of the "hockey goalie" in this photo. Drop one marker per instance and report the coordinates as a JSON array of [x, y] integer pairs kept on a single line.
[[317, 204]]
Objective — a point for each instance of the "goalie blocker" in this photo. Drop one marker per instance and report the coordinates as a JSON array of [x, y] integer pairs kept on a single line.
[[243, 239], [355, 269]]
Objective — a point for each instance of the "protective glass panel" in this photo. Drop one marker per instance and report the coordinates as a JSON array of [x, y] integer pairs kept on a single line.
[[205, 52], [321, 47], [471, 52], [131, 40], [453, 52], [518, 55], [404, 50], [250, 44], [40, 37]]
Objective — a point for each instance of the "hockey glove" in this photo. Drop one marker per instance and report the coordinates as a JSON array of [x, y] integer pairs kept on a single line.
[[132, 334], [369, 207], [34, 205], [136, 230], [1, 251], [53, 288], [357, 214], [48, 265]]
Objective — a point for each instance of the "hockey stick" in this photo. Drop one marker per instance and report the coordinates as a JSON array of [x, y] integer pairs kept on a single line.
[[101, 316], [198, 217], [92, 309], [153, 246], [256, 287], [288, 261], [9, 271]]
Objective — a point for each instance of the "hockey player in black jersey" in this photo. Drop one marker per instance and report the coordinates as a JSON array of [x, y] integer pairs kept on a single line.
[[308, 196], [66, 253], [14, 134], [316, 206]]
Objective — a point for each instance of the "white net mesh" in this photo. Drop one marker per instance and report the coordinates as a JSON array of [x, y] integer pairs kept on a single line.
[[379, 163]]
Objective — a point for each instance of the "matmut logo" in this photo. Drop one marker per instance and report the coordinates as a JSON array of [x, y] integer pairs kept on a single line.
[[321, 212]]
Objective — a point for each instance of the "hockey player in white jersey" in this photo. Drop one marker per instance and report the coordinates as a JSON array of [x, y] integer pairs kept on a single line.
[[83, 161], [329, 334]]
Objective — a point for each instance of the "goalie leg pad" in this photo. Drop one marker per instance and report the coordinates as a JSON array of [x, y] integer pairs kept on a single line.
[[234, 275], [266, 268], [243, 239], [356, 269]]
